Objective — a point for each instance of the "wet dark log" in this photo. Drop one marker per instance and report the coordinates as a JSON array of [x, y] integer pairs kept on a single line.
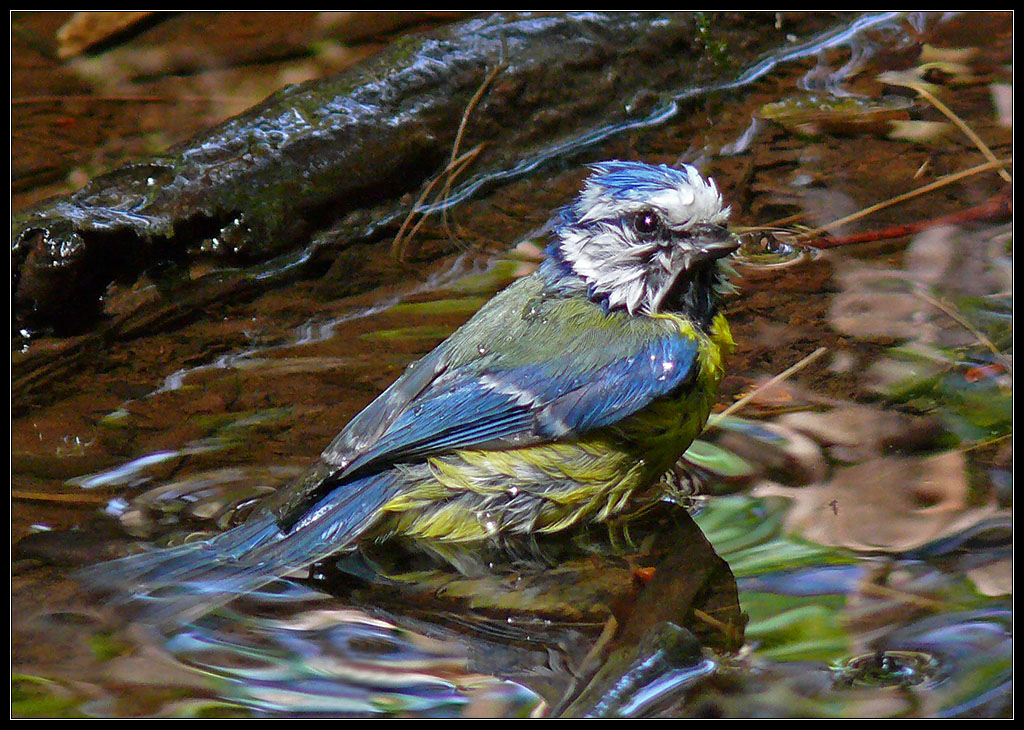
[[321, 166]]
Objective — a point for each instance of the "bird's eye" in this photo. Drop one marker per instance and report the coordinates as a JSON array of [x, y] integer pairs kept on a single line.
[[646, 222]]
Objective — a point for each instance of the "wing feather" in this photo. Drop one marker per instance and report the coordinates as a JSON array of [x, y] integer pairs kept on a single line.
[[448, 401]]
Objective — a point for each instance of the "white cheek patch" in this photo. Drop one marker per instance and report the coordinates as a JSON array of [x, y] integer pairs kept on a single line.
[[630, 272], [612, 268]]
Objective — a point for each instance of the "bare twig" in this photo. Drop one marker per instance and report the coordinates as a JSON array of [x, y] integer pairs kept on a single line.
[[934, 101], [457, 163], [986, 442], [401, 237], [998, 207], [788, 372], [930, 187], [473, 102], [74, 498], [469, 110], [953, 314]]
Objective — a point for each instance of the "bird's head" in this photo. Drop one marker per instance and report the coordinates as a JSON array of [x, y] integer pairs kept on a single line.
[[646, 239]]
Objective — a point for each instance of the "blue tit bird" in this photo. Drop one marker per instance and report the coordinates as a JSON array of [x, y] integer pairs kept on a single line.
[[561, 402]]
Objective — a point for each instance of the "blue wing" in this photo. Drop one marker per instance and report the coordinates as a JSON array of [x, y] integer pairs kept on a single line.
[[559, 398], [565, 377]]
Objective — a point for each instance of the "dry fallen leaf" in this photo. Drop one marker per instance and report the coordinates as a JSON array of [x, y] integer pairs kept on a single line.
[[86, 29], [890, 503]]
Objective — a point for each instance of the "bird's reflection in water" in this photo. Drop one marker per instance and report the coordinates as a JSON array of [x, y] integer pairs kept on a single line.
[[597, 622]]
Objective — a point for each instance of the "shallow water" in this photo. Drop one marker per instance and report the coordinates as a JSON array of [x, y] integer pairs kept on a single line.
[[863, 504]]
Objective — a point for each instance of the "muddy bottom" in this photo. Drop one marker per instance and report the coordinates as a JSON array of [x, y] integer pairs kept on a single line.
[[856, 480]]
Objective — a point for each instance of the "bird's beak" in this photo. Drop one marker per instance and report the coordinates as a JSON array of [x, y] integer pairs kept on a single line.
[[707, 243], [713, 242]]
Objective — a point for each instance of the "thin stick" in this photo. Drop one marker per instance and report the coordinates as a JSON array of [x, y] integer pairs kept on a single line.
[[456, 164], [879, 591], [472, 105], [713, 622], [962, 321], [935, 185], [764, 386], [772, 225], [999, 206], [499, 68], [986, 442], [933, 100], [460, 163], [76, 498]]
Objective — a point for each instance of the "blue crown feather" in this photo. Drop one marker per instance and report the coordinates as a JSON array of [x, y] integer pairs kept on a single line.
[[636, 180]]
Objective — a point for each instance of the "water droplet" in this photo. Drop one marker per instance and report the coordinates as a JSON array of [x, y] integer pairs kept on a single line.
[[765, 249], [888, 669], [531, 311], [489, 524]]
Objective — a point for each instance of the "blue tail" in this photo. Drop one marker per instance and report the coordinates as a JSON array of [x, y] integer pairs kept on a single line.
[[181, 583]]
